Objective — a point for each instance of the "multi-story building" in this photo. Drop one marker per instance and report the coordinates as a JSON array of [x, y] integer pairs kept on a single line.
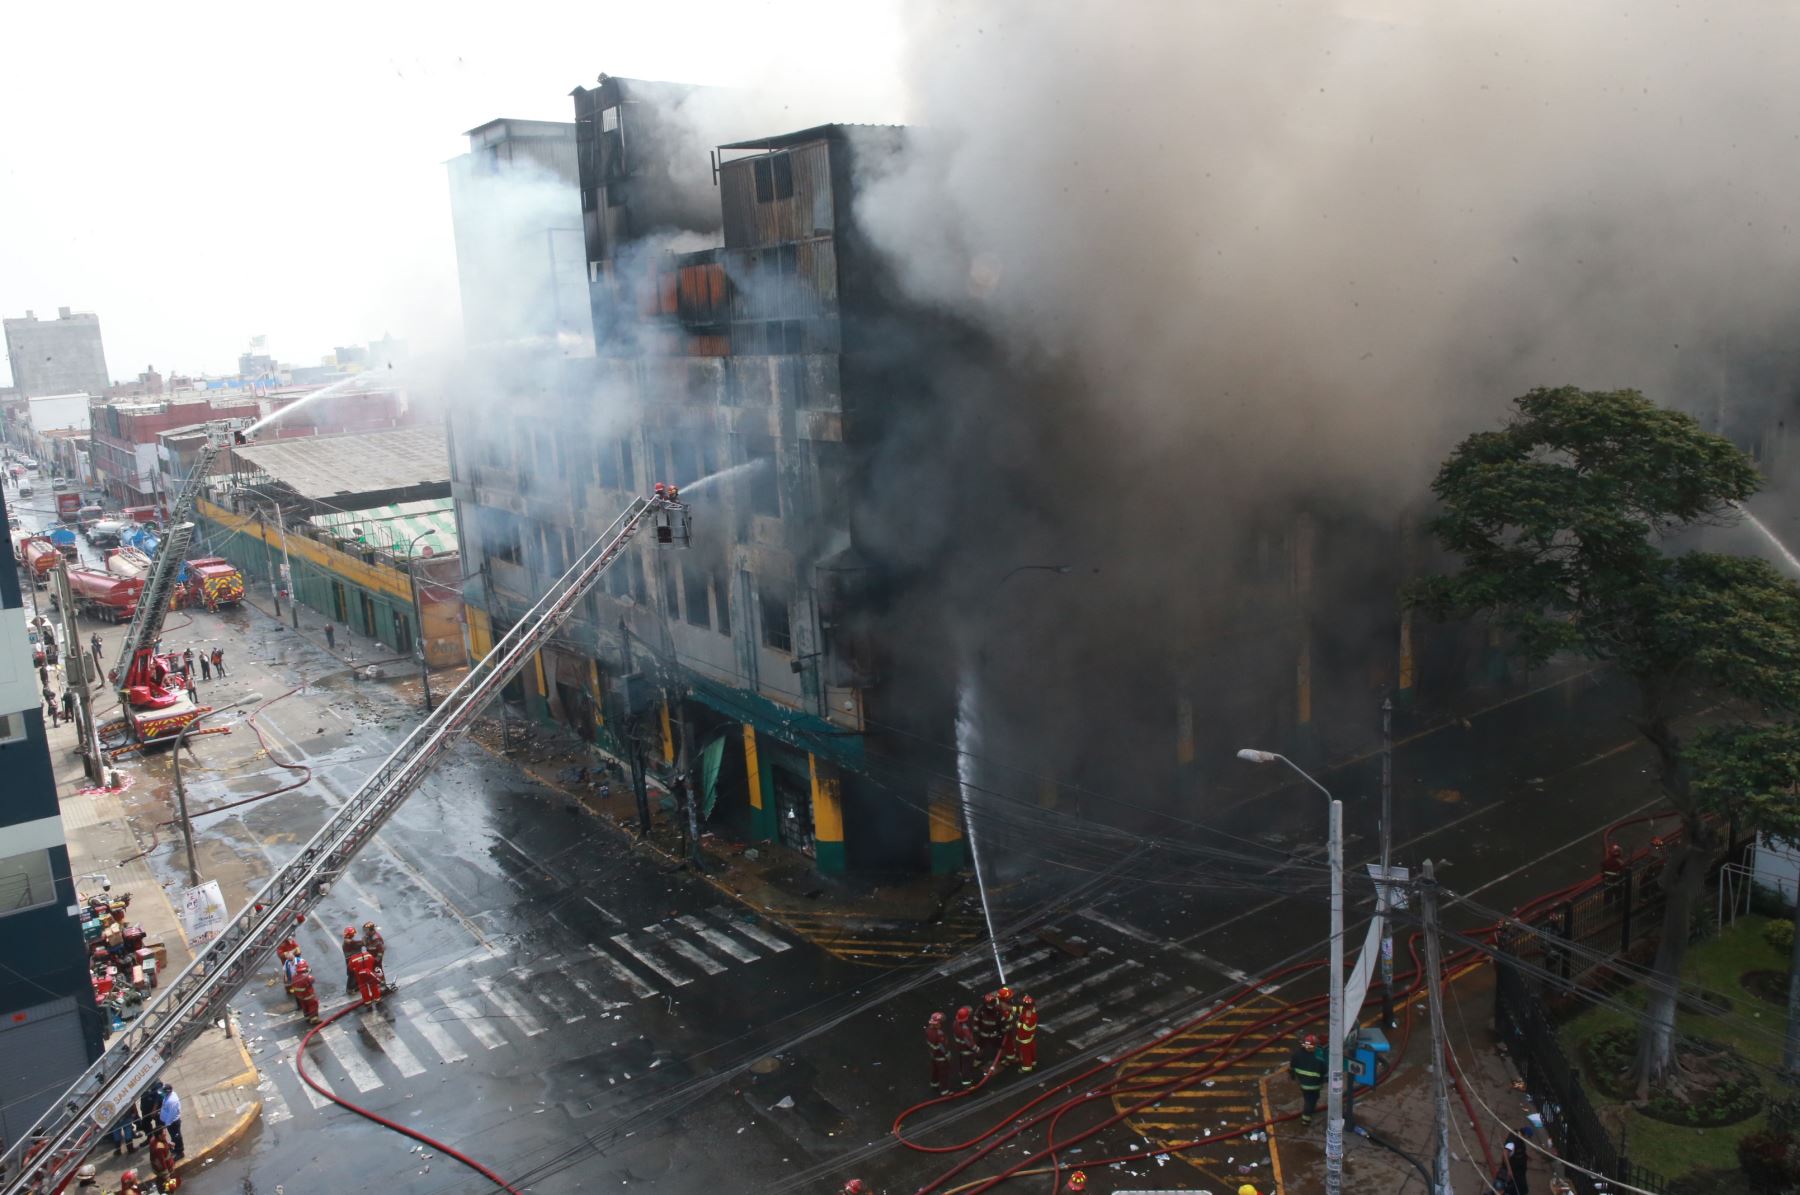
[[124, 435], [49, 1025], [517, 221], [740, 367], [59, 356]]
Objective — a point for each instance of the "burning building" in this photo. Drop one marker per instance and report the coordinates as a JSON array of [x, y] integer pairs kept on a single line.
[[907, 538]]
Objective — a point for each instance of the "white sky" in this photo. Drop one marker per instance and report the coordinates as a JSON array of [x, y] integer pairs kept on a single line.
[[200, 173]]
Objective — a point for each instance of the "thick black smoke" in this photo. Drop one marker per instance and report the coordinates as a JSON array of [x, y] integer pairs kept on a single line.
[[1244, 273]]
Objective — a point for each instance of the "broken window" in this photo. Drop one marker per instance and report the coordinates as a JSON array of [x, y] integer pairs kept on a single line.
[[611, 478], [765, 493], [684, 463], [693, 582], [784, 176], [773, 596], [722, 590], [640, 587], [765, 180], [665, 580]]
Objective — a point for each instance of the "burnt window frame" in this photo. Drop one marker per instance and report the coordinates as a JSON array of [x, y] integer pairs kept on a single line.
[[695, 584], [773, 596], [762, 177]]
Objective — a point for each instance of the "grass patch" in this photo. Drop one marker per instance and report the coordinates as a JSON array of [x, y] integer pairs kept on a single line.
[[1752, 1028]]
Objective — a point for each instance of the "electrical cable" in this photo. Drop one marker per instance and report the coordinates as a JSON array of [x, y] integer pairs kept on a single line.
[[416, 1135]]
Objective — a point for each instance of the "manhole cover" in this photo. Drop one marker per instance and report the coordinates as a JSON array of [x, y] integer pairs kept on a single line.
[[765, 1066]]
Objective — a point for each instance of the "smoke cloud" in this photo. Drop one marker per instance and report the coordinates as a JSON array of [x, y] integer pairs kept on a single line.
[[1246, 272]]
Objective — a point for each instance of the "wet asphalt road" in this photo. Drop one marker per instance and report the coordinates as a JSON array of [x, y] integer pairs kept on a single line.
[[578, 1017]]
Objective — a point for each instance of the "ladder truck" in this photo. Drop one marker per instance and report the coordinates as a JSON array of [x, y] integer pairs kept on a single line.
[[157, 706], [193, 1000]]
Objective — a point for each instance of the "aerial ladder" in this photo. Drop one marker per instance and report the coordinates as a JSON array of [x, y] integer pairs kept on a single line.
[[155, 707], [198, 997]]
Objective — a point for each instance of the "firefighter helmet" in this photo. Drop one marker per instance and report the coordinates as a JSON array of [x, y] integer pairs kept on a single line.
[[349, 931], [1310, 1041], [1006, 993]]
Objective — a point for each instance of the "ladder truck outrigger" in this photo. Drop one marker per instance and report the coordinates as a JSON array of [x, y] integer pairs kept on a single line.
[[156, 703], [196, 998]]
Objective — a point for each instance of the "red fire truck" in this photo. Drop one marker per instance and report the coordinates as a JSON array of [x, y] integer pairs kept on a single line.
[[213, 581], [37, 556], [104, 595]]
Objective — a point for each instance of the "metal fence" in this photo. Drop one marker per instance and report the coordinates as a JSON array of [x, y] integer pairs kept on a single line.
[[1575, 940]]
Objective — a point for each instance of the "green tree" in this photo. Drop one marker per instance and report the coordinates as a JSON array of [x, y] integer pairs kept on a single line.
[[1562, 519]]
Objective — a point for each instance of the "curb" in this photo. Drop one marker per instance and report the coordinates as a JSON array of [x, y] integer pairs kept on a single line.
[[232, 1135]]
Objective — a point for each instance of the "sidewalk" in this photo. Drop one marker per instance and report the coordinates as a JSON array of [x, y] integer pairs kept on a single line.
[[214, 1076], [1400, 1111]]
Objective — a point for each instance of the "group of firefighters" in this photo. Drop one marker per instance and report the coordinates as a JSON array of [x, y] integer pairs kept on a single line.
[[363, 973], [1003, 1031]]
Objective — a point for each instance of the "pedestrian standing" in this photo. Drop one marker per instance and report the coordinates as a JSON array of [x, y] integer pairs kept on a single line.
[[205, 667], [330, 636], [51, 706], [352, 948], [171, 1120], [68, 704], [95, 644], [150, 1110], [937, 1042], [44, 675], [968, 1054], [218, 661], [1517, 1163], [187, 662]]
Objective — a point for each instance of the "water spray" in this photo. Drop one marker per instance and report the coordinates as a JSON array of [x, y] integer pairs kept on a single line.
[[967, 741], [1793, 562]]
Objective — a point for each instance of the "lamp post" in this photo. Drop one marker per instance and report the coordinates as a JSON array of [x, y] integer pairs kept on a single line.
[[1334, 1111], [412, 574], [187, 826]]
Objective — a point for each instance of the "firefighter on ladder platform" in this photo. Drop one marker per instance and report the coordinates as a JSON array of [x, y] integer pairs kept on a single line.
[[968, 1054], [1025, 1036], [937, 1039]]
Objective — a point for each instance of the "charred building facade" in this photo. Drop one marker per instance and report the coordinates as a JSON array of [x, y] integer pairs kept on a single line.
[[850, 630]]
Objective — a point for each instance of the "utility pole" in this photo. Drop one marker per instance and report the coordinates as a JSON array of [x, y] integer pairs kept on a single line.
[[683, 762], [634, 730], [287, 568], [1387, 842], [1334, 1110], [1440, 1120]]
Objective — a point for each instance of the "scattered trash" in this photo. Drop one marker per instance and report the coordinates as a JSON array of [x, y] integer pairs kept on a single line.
[[786, 1101]]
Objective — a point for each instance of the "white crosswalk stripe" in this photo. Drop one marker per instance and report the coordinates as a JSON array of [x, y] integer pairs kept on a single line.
[[621, 972], [348, 1055], [275, 1105], [749, 929], [306, 1089], [435, 1035], [719, 941], [508, 1004], [587, 989], [685, 949], [475, 1021], [396, 1050], [623, 942], [1139, 1014], [544, 987]]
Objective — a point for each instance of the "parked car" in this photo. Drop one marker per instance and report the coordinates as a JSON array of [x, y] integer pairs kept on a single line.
[[59, 484], [24, 488]]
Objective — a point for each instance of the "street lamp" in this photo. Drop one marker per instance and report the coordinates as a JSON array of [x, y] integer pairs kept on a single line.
[[412, 575], [187, 826], [1334, 1110]]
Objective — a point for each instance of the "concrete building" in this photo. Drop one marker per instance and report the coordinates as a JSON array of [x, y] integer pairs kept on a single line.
[[364, 526], [747, 360], [49, 1024], [124, 439], [58, 356], [516, 216]]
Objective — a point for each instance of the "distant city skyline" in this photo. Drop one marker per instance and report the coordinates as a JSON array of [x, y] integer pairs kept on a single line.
[[298, 192]]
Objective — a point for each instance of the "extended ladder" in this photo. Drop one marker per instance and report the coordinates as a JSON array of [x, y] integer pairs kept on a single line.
[[197, 997], [159, 587]]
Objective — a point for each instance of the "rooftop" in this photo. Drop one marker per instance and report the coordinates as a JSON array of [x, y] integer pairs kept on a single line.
[[818, 132], [398, 527], [328, 467]]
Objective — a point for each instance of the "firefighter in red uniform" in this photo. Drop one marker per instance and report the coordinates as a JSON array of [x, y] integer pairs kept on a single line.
[[855, 1186], [1612, 873], [937, 1040], [1078, 1181], [968, 1054], [351, 948], [987, 1026], [1025, 1036], [162, 1160], [373, 942], [1009, 1022], [362, 966], [305, 991]]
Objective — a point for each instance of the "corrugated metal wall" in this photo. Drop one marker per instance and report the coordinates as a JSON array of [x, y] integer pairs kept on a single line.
[[806, 213]]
